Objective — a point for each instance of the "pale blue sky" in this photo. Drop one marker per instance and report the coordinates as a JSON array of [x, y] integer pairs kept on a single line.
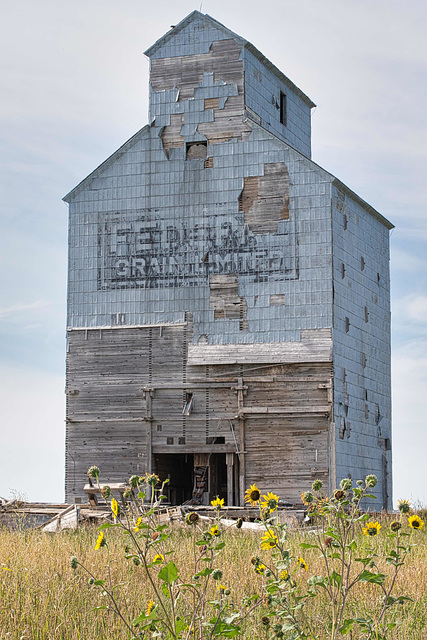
[[74, 82]]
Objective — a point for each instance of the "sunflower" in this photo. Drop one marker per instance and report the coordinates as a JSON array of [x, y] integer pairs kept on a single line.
[[415, 522], [284, 575], [371, 529], [302, 564], [214, 531], [158, 559], [270, 501], [138, 522], [100, 542], [268, 540], [252, 495], [115, 507], [260, 568], [150, 607], [218, 502], [404, 506]]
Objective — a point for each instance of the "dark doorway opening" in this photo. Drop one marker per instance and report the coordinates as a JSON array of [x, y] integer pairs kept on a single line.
[[198, 478], [178, 467]]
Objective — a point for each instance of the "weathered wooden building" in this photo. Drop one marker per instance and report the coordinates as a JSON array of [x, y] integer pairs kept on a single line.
[[228, 299]]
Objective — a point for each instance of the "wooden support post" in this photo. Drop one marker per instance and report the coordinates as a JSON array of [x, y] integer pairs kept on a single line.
[[242, 480], [148, 393], [229, 461]]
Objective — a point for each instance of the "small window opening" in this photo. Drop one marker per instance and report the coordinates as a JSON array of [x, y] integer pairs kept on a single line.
[[189, 404], [364, 359], [159, 427], [345, 221], [362, 263], [387, 444], [378, 278], [347, 325], [366, 314], [181, 440], [196, 150], [283, 109], [215, 440], [169, 440], [342, 270]]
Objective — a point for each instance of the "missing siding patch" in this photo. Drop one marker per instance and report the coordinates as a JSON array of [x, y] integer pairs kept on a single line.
[[171, 135], [265, 199], [225, 300], [211, 103], [277, 299]]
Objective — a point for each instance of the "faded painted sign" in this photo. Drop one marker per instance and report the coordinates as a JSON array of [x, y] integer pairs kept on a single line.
[[148, 252]]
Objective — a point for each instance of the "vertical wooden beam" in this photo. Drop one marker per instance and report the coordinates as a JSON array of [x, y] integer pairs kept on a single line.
[[240, 404], [148, 393], [229, 461]]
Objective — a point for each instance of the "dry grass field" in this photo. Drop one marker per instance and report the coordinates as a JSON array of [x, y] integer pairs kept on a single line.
[[42, 597]]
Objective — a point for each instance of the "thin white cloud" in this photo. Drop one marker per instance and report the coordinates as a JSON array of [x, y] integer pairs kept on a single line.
[[18, 309]]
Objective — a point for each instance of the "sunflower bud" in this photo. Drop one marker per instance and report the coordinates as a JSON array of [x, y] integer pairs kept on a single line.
[[317, 485], [217, 574], [265, 621], [106, 492], [239, 523], [134, 481], [93, 472], [395, 526], [371, 481], [345, 484], [136, 561], [127, 494], [339, 494], [74, 562]]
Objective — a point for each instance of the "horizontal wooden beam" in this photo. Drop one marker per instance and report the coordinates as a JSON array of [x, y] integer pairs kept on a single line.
[[194, 448], [286, 410]]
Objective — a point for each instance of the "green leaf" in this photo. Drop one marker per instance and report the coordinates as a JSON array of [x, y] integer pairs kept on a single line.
[[164, 587], [373, 578], [347, 626], [168, 573], [99, 583], [107, 525], [306, 545], [335, 578], [98, 608], [205, 572], [219, 546], [318, 581], [141, 495]]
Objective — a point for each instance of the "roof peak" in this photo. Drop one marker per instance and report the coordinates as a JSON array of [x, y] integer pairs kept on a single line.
[[245, 43], [181, 25]]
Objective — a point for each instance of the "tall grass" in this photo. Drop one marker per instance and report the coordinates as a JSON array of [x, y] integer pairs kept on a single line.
[[42, 597]]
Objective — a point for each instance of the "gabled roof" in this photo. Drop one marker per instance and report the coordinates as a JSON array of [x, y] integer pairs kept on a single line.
[[197, 15], [114, 156]]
